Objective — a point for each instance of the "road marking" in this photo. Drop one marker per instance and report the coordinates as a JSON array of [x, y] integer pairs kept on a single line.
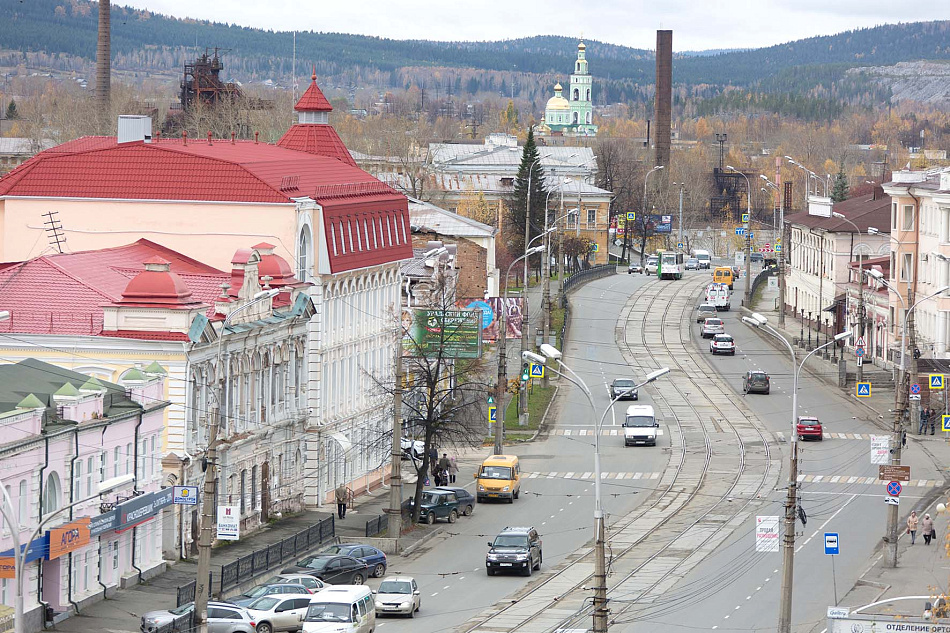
[[432, 596]]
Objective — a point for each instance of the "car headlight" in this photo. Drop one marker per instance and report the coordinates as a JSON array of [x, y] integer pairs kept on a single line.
[[481, 488], [521, 557], [492, 557], [505, 489]]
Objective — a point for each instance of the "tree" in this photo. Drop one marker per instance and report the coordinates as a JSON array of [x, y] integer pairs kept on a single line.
[[517, 202], [839, 192], [508, 118], [12, 113]]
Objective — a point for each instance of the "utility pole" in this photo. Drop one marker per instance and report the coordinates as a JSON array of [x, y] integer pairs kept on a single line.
[[890, 539], [861, 309], [786, 255], [502, 384], [680, 223], [788, 542], [600, 569], [207, 512], [395, 479]]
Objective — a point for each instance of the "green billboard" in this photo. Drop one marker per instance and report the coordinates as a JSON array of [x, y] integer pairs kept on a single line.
[[445, 333]]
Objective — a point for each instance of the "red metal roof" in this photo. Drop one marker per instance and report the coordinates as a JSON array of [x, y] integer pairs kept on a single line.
[[316, 138], [145, 335], [313, 100]]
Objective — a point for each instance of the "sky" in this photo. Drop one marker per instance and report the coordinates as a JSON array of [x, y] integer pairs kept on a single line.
[[696, 24]]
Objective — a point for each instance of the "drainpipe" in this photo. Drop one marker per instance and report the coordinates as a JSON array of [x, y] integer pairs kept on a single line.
[[39, 562], [102, 477], [72, 499], [135, 487], [99, 573], [135, 532]]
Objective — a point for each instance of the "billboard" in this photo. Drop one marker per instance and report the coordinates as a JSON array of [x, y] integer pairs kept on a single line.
[[490, 309], [446, 333]]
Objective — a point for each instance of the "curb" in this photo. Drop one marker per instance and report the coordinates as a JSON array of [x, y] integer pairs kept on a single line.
[[425, 539]]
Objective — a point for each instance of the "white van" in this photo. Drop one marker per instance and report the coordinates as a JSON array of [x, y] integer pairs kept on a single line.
[[640, 426], [703, 257], [335, 608], [718, 295]]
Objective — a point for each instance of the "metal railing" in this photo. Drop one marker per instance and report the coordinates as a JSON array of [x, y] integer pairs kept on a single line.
[[182, 624], [583, 276], [186, 592], [262, 560], [377, 525]]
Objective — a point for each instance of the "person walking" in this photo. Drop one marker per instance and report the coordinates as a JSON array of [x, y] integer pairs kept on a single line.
[[340, 494], [453, 469], [443, 470], [924, 420], [927, 527], [912, 526], [433, 459], [904, 438]]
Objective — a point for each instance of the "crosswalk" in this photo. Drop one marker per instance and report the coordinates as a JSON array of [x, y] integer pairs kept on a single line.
[[834, 436], [589, 476], [854, 480], [590, 432]]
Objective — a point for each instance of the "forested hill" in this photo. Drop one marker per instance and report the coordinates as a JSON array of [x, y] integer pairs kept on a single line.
[[148, 41]]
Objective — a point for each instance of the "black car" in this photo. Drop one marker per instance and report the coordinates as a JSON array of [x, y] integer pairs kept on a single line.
[[623, 388], [756, 382], [515, 548], [465, 498], [332, 569]]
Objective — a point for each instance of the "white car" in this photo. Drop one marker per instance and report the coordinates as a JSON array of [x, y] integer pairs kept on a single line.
[[712, 327], [279, 613], [722, 344], [311, 583], [412, 449], [398, 596], [692, 264], [652, 265]]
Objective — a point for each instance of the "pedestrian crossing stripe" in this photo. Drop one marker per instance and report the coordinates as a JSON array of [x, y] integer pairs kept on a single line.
[[866, 481], [936, 382], [590, 432], [863, 390], [589, 476]]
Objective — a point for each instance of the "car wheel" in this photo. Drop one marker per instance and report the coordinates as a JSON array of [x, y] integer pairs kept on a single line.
[[517, 493], [357, 579], [491, 572], [766, 392], [411, 614], [430, 518], [264, 627], [468, 511], [379, 571], [527, 570], [453, 516]]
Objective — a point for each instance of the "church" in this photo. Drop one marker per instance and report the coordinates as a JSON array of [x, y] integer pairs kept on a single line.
[[572, 115]]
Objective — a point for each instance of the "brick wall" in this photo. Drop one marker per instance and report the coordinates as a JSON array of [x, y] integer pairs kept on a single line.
[[471, 262]]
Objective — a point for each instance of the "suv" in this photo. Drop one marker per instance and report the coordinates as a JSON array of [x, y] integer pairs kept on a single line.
[[705, 311], [722, 344], [809, 426], [756, 381], [438, 504], [622, 388], [515, 548], [712, 327], [652, 264]]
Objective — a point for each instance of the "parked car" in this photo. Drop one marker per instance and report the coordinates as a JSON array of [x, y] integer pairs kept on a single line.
[[757, 258], [375, 559], [279, 613], [652, 265], [756, 382], [438, 503], [465, 498], [412, 449], [712, 327], [722, 344], [634, 268], [622, 389], [398, 596], [223, 617], [705, 311], [809, 426], [309, 582], [260, 591], [515, 548], [692, 264], [332, 569]]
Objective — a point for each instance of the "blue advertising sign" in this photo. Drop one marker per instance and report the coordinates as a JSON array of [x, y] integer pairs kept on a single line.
[[103, 523], [143, 508], [38, 549]]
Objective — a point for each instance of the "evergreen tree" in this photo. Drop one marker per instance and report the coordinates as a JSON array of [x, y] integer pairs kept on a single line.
[[839, 192], [518, 200], [12, 112]]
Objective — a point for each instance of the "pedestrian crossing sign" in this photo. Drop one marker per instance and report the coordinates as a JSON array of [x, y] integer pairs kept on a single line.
[[945, 423], [492, 413], [778, 248], [863, 390], [745, 217], [631, 215], [537, 370], [936, 382], [594, 247]]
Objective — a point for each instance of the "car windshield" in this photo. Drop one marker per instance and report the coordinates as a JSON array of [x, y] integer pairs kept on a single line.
[[624, 383], [263, 604], [723, 338], [692, 260], [707, 308], [430, 499], [395, 586], [328, 612], [259, 590], [511, 540], [496, 472], [758, 375], [638, 420], [313, 562], [183, 609], [713, 322]]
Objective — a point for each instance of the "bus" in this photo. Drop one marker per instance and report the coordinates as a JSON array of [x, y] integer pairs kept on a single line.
[[670, 265]]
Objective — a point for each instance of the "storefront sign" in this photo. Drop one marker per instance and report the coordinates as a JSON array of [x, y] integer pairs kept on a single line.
[[68, 538], [103, 523], [37, 549], [140, 509], [229, 523]]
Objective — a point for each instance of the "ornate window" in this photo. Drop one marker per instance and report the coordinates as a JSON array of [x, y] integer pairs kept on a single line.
[[588, 97], [575, 118], [303, 253], [52, 494]]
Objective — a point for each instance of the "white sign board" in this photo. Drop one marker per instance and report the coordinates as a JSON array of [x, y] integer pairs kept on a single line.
[[229, 523], [185, 495], [767, 535], [773, 283], [879, 623], [880, 449], [836, 613]]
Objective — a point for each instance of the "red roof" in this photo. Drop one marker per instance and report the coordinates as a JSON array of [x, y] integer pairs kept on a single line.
[[313, 100], [316, 138], [146, 335]]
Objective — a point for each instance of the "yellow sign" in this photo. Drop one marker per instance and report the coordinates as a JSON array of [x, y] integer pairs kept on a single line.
[[936, 382], [862, 390]]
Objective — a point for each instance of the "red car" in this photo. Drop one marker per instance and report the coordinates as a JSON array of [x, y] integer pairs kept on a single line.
[[809, 427]]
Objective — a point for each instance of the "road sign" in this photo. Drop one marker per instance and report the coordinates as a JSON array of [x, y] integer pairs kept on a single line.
[[894, 488], [750, 235], [740, 230], [537, 370], [491, 400], [745, 217], [631, 215], [945, 423], [863, 390], [492, 413], [594, 247], [831, 543], [860, 360], [893, 473], [185, 495], [778, 240], [892, 501], [915, 388], [859, 351], [778, 248], [914, 396], [936, 382], [766, 534], [880, 449], [860, 342]]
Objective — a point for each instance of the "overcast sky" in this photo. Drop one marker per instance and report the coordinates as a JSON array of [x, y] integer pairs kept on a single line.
[[696, 24]]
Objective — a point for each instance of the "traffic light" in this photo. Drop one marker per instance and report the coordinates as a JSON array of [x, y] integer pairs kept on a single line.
[[525, 372], [916, 353]]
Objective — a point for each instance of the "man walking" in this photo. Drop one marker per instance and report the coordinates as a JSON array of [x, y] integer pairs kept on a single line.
[[924, 418], [341, 500]]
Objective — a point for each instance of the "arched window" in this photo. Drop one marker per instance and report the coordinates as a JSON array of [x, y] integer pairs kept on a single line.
[[52, 494], [588, 117], [576, 94], [575, 118], [22, 503], [303, 254], [588, 94]]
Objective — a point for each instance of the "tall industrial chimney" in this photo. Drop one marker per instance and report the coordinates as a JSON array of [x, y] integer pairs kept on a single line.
[[103, 68], [663, 105]]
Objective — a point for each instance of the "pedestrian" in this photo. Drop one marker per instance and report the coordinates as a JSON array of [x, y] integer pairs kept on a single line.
[[453, 469], [927, 527], [912, 526], [340, 494], [904, 438], [433, 459], [924, 420]]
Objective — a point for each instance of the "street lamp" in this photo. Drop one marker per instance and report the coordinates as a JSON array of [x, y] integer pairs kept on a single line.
[[549, 352], [756, 320], [811, 174], [19, 554], [748, 240]]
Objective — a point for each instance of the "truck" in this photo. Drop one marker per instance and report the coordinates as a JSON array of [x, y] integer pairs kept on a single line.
[[718, 295], [704, 258]]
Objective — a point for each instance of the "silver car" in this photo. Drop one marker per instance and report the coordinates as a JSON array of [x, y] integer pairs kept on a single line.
[[712, 327], [279, 613], [398, 596], [223, 617]]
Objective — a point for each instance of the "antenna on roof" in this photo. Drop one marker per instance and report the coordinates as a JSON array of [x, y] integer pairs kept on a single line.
[[54, 230]]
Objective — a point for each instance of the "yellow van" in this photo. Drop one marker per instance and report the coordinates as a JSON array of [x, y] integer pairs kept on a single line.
[[723, 275], [499, 477]]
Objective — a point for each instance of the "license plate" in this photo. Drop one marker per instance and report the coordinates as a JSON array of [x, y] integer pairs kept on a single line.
[[504, 564], [492, 494]]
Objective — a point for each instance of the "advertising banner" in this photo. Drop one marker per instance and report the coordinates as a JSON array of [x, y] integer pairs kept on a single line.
[[490, 309], [447, 333], [37, 549], [139, 509], [103, 523], [229, 523], [880, 449], [68, 538], [767, 533]]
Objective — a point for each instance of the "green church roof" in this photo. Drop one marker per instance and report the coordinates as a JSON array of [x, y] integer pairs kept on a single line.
[[133, 374], [30, 402], [67, 390]]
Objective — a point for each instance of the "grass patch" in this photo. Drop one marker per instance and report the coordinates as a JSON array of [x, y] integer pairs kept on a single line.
[[538, 400], [557, 318]]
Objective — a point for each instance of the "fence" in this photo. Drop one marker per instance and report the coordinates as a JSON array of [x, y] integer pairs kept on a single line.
[[594, 272], [376, 525], [262, 560], [186, 592], [183, 624]]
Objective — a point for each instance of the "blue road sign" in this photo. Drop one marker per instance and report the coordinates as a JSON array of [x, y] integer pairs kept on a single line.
[[493, 413], [863, 390], [859, 351], [679, 245], [945, 423], [915, 388], [537, 370], [631, 215], [750, 235], [831, 543], [745, 217], [740, 230], [936, 382], [777, 248], [894, 488]]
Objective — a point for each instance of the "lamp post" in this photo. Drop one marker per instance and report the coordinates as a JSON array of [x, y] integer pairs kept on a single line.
[[19, 553], [550, 352], [748, 240], [890, 537], [207, 511], [643, 211], [502, 384], [791, 500]]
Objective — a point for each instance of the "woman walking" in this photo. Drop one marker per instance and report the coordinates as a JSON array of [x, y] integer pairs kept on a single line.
[[927, 527], [912, 526], [453, 469]]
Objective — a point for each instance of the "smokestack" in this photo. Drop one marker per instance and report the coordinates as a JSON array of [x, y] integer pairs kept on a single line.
[[103, 66], [663, 105]]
